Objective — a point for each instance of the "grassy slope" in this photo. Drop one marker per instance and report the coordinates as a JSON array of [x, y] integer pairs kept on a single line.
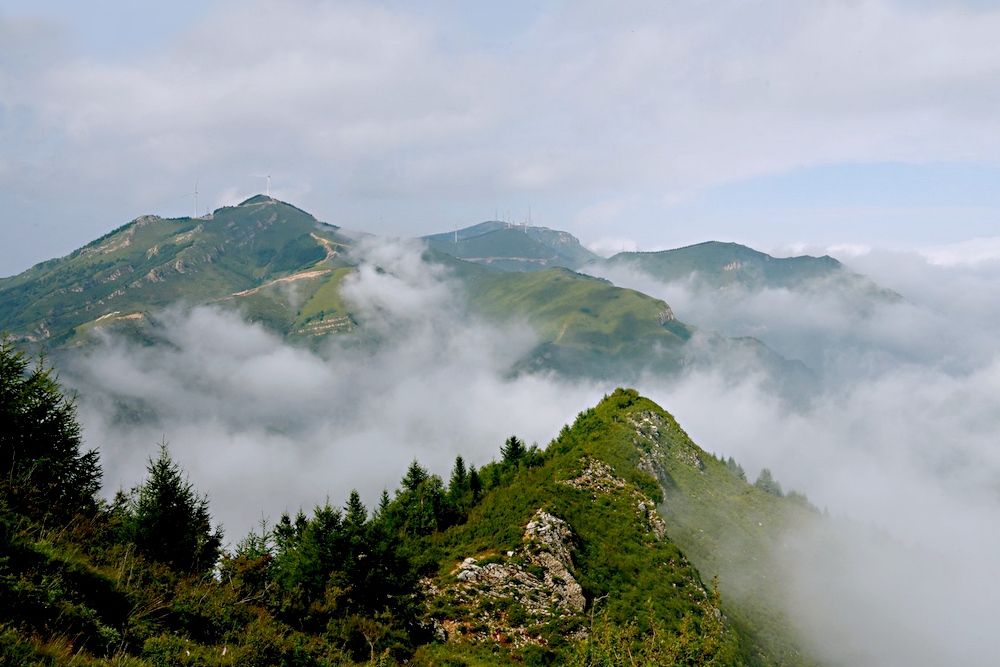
[[513, 248], [725, 263], [717, 264], [497, 243], [617, 558], [153, 262], [732, 530], [582, 322], [75, 602], [725, 526]]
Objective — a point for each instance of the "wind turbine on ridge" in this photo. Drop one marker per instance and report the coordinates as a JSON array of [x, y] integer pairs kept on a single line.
[[267, 181]]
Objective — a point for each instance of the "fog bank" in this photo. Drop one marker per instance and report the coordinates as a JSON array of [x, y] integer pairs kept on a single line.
[[900, 445]]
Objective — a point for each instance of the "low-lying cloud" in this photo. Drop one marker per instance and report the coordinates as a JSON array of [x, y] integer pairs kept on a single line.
[[899, 444], [264, 426]]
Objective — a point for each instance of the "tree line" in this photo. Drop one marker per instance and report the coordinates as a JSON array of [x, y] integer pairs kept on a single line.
[[146, 575]]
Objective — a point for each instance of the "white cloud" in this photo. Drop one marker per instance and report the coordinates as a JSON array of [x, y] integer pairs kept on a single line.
[[606, 247], [358, 104], [973, 251], [900, 442], [264, 426]]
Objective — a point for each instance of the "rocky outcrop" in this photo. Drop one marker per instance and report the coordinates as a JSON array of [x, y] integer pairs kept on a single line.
[[504, 598], [598, 477], [650, 429]]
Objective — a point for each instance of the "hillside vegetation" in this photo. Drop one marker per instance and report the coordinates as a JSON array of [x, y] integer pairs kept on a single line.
[[506, 247], [539, 557], [715, 265], [153, 262], [279, 266]]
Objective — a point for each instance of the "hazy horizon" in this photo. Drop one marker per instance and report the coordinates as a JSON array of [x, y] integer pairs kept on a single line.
[[654, 126], [865, 130]]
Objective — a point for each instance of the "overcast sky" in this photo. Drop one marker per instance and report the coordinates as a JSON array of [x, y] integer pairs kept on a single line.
[[651, 124]]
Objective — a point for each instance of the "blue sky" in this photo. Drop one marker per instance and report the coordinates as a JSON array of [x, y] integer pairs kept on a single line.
[[649, 125]]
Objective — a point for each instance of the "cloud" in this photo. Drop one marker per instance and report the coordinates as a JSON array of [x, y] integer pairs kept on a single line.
[[355, 106], [903, 572], [973, 251], [264, 426], [899, 444], [610, 246]]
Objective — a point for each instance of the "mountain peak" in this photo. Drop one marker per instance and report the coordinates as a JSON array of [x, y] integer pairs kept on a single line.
[[512, 247], [259, 199]]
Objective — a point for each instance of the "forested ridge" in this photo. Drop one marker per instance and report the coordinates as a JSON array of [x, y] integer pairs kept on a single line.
[[538, 557]]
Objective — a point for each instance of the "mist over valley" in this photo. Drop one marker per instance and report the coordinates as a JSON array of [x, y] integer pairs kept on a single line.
[[344, 334]]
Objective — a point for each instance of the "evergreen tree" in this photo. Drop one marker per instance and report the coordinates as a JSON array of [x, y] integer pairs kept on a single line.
[[355, 514], [424, 507], [383, 505], [169, 522], [736, 468], [43, 473], [415, 476], [382, 517], [512, 451], [459, 478], [475, 484], [534, 456], [766, 482]]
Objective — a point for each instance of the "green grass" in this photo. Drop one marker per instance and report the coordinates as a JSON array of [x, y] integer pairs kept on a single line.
[[718, 525], [573, 310], [585, 326], [718, 265], [154, 262], [326, 300], [617, 558], [507, 248]]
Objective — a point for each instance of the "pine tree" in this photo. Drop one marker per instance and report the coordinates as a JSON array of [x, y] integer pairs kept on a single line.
[[415, 476], [355, 514], [475, 484], [459, 483], [43, 473], [382, 515], [736, 468], [766, 482], [169, 522], [512, 451]]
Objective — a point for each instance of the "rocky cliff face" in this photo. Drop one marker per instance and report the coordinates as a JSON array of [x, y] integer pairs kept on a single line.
[[506, 597]]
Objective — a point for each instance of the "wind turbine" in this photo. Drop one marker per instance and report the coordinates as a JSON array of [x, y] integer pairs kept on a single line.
[[267, 181], [196, 197]]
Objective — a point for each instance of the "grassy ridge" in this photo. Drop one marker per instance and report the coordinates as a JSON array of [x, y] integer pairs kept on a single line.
[[577, 565], [719, 265], [153, 262], [585, 325], [512, 248]]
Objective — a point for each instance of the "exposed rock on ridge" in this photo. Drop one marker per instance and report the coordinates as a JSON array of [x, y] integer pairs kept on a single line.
[[509, 594]]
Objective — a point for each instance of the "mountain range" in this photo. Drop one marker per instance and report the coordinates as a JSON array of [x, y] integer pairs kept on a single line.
[[600, 544], [279, 266], [620, 535]]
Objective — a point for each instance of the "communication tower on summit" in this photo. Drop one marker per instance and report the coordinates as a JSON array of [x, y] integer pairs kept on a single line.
[[267, 184]]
